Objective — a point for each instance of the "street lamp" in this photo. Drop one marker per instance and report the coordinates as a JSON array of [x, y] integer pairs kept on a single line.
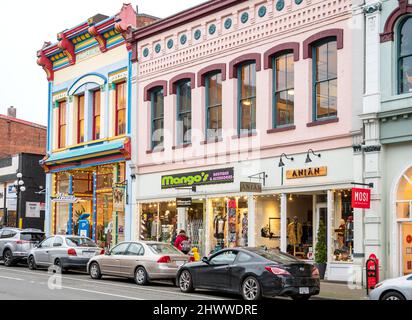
[[18, 188], [310, 151], [282, 165]]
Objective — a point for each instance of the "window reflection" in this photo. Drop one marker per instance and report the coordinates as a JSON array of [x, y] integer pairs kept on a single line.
[[214, 105], [405, 57], [284, 90], [247, 99]]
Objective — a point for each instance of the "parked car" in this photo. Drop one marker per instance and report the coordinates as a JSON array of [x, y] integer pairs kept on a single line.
[[142, 261], [15, 244], [64, 251], [393, 289], [253, 273]]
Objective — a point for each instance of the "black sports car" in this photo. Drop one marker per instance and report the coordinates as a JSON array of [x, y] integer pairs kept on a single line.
[[252, 272]]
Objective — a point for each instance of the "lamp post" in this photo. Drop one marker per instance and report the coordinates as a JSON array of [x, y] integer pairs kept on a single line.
[[18, 188]]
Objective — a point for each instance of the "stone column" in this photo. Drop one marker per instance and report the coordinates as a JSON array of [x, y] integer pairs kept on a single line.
[[283, 222]]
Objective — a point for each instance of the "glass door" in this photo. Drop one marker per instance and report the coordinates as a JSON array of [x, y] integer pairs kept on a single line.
[[406, 230]]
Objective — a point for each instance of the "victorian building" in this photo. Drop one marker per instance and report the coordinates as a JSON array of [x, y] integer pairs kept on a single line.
[[387, 117], [246, 113], [89, 127]]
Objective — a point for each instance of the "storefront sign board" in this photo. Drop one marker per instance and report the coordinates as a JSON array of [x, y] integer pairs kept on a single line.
[[118, 198], [361, 198], [65, 198], [250, 187], [307, 173], [209, 177], [183, 202]]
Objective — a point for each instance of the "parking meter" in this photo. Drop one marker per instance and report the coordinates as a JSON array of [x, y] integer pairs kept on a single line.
[[84, 225]]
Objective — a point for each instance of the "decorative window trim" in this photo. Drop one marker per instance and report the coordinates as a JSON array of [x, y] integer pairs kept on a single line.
[[234, 64], [309, 42], [96, 78], [390, 24], [174, 81], [201, 75], [151, 86], [288, 46]]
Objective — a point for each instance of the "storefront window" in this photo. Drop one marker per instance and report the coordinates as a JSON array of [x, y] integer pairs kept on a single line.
[[268, 221], [62, 209], [158, 221], [404, 196], [343, 232]]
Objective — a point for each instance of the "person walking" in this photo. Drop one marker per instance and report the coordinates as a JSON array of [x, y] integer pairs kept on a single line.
[[182, 242]]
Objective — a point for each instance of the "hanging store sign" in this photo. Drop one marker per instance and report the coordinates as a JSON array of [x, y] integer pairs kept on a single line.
[[65, 198], [183, 202], [200, 178], [119, 198], [361, 198], [307, 173], [250, 187]]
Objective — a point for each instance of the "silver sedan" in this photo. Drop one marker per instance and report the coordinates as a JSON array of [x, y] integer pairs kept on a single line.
[[141, 261], [393, 289]]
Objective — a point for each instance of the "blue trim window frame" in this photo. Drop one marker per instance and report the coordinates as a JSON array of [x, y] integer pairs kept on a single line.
[[157, 117], [324, 79], [283, 89], [246, 75], [404, 56], [184, 111], [213, 86]]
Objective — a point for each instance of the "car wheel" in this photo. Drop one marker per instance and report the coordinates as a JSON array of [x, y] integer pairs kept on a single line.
[[140, 276], [58, 264], [94, 271], [31, 263], [393, 295], [8, 258], [301, 298], [251, 290], [186, 282]]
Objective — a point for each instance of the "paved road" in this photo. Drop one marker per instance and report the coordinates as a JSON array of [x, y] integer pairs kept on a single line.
[[20, 283]]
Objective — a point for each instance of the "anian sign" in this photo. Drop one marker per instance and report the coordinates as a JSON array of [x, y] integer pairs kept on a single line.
[[307, 173], [361, 198]]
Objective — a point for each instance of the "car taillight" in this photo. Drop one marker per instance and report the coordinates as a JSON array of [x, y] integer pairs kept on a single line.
[[315, 273], [71, 252], [277, 271], [22, 241], [102, 252], [165, 259]]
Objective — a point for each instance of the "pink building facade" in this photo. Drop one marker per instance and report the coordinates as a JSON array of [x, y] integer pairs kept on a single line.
[[248, 111]]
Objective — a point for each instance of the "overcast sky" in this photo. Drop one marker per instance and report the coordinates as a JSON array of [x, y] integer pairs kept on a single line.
[[26, 24]]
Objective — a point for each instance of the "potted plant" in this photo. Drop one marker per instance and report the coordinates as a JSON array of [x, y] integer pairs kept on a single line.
[[321, 250]]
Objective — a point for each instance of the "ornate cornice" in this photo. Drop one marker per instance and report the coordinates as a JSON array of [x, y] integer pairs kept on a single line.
[[98, 37], [46, 64], [372, 8], [67, 46]]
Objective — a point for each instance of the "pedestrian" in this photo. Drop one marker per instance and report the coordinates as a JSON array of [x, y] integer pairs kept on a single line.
[[182, 242]]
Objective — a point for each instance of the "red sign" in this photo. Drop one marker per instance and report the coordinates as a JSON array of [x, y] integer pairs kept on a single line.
[[409, 239], [361, 198]]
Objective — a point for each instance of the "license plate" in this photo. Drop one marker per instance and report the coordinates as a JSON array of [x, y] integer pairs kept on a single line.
[[303, 290], [88, 254]]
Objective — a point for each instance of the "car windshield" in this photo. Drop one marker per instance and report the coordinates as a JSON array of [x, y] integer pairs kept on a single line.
[[80, 242], [160, 248], [276, 256], [35, 237]]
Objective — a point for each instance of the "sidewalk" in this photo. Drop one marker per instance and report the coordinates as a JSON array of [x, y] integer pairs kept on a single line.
[[340, 291]]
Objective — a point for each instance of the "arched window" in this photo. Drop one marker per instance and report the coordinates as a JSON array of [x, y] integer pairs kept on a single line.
[[325, 79], [404, 196], [246, 75], [157, 117], [405, 56], [283, 90], [184, 111], [213, 84]]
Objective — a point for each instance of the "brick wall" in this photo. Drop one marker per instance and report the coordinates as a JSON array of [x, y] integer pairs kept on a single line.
[[18, 136]]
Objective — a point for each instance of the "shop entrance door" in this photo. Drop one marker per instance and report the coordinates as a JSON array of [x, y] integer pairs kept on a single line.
[[406, 243]]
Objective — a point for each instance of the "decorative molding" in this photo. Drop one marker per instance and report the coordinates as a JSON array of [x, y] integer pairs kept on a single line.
[[98, 37], [309, 42], [201, 75], [233, 65], [68, 48], [389, 30], [372, 8], [46, 64], [156, 84], [173, 82], [284, 47]]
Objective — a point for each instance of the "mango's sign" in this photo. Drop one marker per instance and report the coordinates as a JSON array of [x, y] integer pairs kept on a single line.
[[307, 173], [200, 178]]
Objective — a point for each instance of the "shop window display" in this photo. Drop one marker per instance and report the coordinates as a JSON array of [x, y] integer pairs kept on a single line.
[[61, 209], [343, 238], [158, 222], [195, 229]]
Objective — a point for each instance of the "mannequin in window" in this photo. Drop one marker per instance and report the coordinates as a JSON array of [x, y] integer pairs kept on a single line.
[[295, 232], [219, 226], [154, 228]]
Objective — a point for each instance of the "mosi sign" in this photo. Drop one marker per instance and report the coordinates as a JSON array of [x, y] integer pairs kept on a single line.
[[361, 198]]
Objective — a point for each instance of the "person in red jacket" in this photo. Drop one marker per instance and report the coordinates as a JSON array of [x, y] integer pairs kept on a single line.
[[179, 241]]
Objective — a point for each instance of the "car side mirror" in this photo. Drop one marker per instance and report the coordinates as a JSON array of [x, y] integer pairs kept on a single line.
[[205, 260]]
